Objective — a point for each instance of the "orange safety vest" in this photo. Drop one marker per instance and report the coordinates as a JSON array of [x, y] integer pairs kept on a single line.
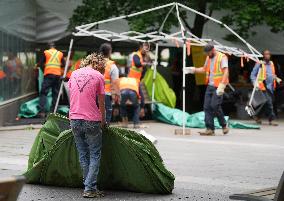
[[262, 76], [135, 72], [74, 67], [218, 71], [53, 59], [129, 83], [107, 76], [2, 74]]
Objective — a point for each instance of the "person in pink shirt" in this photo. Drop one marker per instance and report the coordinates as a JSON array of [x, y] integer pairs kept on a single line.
[[86, 86]]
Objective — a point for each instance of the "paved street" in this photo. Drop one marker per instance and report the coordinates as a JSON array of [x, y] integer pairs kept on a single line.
[[206, 168]]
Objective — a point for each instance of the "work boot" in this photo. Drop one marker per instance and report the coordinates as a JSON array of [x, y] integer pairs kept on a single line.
[[225, 130], [125, 122], [257, 120], [273, 123], [93, 194], [208, 132]]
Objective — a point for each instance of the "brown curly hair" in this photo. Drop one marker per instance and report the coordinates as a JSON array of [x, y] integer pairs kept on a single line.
[[96, 60]]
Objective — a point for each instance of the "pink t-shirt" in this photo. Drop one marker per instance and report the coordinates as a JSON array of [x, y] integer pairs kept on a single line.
[[84, 86]]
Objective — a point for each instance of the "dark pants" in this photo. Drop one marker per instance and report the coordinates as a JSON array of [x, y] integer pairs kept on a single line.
[[53, 82], [128, 94], [212, 108], [267, 109], [108, 106]]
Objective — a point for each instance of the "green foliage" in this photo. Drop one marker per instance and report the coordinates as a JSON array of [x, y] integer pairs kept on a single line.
[[243, 15]]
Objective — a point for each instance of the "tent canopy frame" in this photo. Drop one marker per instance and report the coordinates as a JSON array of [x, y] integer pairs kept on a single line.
[[157, 37]]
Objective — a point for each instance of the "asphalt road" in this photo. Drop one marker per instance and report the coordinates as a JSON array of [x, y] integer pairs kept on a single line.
[[206, 168]]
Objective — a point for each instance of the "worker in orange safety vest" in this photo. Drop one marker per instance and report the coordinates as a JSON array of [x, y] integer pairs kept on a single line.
[[138, 67], [129, 90], [267, 84], [52, 63], [217, 77], [111, 75]]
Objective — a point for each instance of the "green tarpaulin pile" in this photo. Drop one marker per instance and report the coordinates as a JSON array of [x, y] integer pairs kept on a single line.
[[175, 117], [163, 93], [129, 160]]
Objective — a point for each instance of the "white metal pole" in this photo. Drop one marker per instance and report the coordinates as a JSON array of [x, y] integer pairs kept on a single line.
[[183, 87], [64, 74], [155, 75]]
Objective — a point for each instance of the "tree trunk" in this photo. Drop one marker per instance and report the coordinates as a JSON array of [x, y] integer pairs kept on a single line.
[[199, 20]]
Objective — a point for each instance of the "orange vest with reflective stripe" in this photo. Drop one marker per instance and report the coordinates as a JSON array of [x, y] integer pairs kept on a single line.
[[218, 71], [107, 76], [134, 71], [262, 76], [53, 59], [129, 83], [2, 74], [74, 67]]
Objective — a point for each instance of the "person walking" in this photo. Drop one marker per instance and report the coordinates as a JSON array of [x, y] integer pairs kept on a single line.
[[111, 76], [129, 90], [86, 86], [267, 84], [217, 77], [51, 63]]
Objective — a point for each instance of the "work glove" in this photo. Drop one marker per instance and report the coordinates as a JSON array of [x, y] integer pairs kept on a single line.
[[190, 70], [221, 89], [278, 80]]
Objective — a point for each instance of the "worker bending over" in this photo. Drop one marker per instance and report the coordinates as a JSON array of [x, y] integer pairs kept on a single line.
[[86, 86], [111, 76], [138, 67], [129, 90], [52, 63], [217, 77], [267, 84]]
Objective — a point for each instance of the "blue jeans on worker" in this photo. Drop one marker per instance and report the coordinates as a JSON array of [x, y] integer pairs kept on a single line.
[[212, 108], [88, 140], [108, 106], [268, 106], [128, 94]]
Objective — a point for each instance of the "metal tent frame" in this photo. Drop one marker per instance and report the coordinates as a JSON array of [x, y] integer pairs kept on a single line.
[[157, 37]]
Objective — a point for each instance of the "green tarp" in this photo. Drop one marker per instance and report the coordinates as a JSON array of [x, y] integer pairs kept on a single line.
[[163, 93], [129, 160], [175, 117]]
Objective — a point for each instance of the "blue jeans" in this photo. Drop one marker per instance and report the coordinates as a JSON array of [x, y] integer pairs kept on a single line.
[[212, 108], [108, 106], [128, 94], [88, 139]]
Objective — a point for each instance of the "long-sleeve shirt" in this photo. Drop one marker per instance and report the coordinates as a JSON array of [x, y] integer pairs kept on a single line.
[[137, 61], [269, 75], [43, 60]]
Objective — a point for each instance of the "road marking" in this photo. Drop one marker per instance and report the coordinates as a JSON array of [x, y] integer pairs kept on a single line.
[[256, 145]]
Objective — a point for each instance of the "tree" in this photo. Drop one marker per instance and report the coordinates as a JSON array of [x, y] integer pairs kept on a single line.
[[243, 15]]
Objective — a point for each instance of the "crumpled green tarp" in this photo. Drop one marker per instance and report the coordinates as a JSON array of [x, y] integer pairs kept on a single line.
[[129, 160], [163, 93], [196, 120]]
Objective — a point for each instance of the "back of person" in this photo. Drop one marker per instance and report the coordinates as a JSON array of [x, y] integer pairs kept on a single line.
[[85, 84], [53, 62]]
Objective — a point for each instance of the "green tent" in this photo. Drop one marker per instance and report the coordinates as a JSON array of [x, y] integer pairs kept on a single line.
[[129, 160], [163, 93]]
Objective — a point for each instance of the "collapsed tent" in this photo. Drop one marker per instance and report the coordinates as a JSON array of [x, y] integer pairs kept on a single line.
[[129, 160], [175, 117], [164, 94]]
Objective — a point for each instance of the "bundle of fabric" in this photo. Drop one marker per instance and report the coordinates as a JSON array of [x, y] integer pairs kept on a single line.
[[163, 93], [175, 117], [129, 160]]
